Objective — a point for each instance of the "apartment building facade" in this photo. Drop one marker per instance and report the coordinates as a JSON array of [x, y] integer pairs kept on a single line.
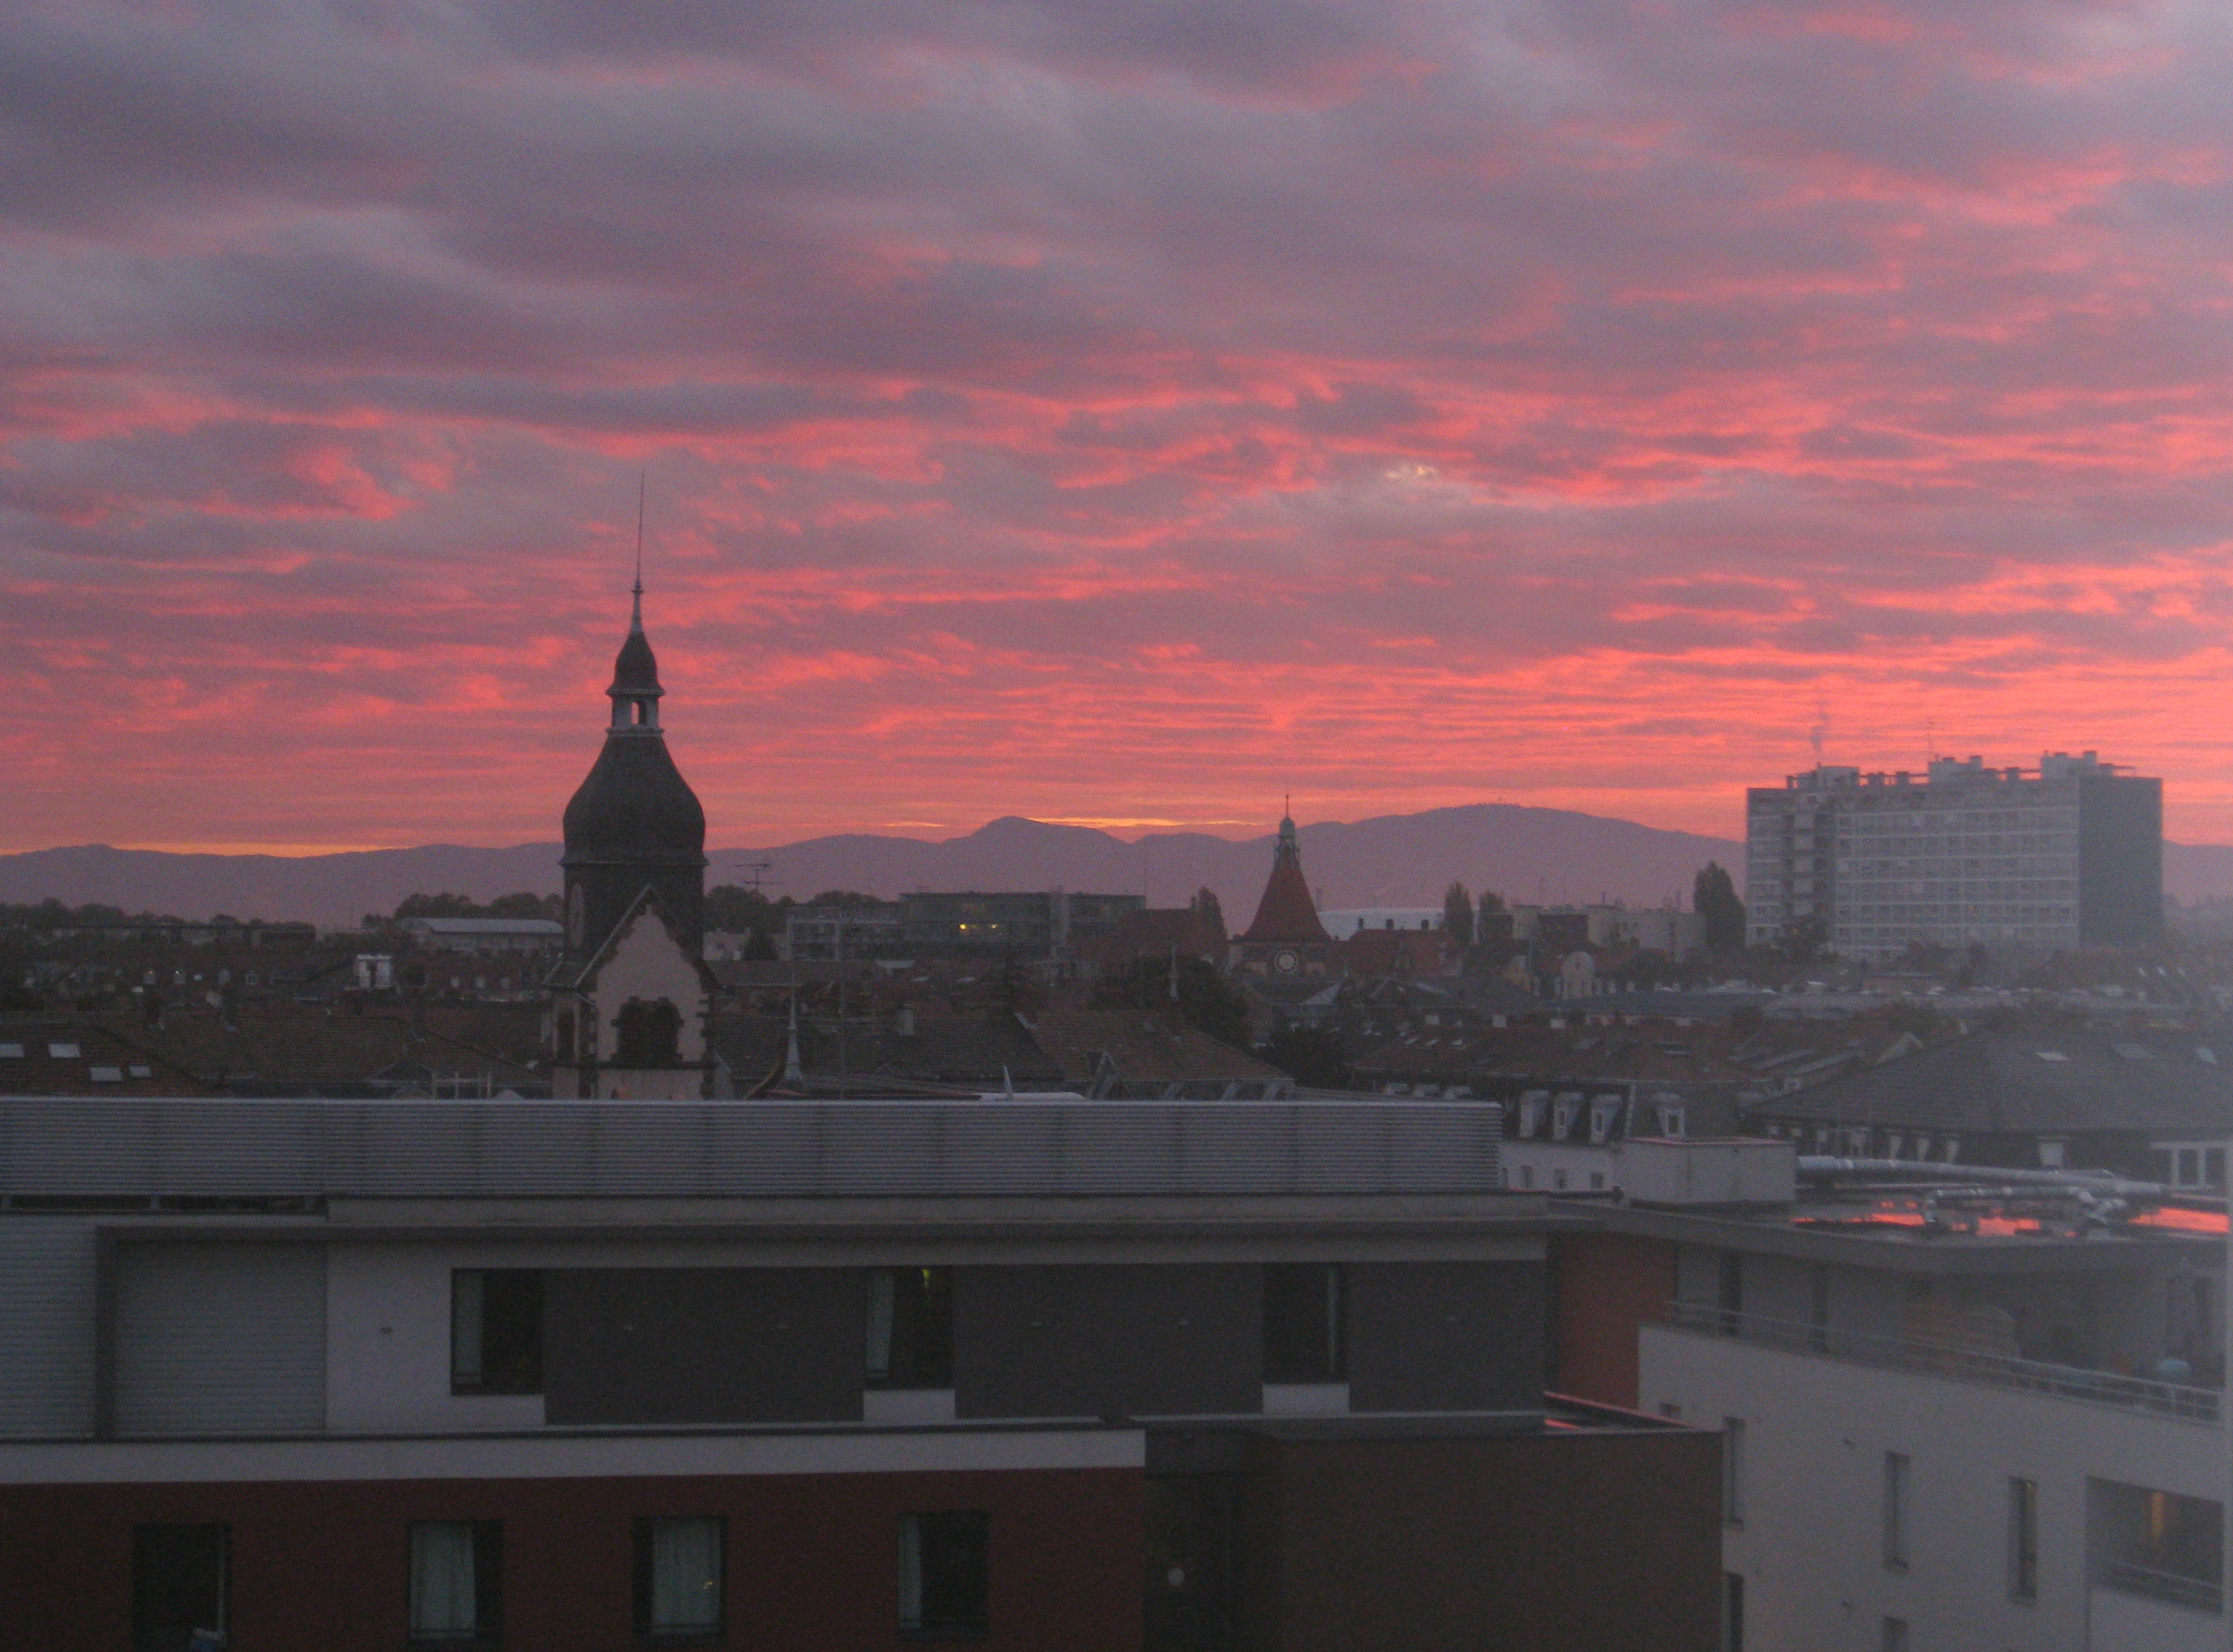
[[2068, 855], [588, 1374], [1984, 1418]]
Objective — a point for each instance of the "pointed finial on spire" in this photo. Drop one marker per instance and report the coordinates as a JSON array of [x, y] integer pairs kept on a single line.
[[635, 616]]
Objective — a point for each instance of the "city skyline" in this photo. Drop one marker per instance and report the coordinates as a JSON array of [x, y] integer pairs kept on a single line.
[[1100, 418]]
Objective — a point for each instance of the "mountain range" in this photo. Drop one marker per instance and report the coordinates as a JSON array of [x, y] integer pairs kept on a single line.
[[1393, 860]]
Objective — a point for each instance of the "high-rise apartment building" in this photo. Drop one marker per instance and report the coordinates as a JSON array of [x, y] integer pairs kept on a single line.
[[2068, 854]]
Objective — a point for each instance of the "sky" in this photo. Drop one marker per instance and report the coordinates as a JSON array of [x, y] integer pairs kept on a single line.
[[1124, 412]]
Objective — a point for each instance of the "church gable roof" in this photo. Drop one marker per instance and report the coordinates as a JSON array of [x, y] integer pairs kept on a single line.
[[647, 903]]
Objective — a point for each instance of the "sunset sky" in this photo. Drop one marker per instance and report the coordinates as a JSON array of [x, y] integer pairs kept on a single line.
[[1116, 411]]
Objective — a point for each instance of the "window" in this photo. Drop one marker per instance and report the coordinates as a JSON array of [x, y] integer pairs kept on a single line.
[[1304, 1316], [678, 1579], [107, 1075], [496, 1331], [457, 1585], [2023, 1540], [63, 1052], [180, 1580], [11, 1052], [1733, 1446], [647, 1034], [1730, 1293], [1895, 1510], [2158, 1545], [944, 1579], [911, 1328]]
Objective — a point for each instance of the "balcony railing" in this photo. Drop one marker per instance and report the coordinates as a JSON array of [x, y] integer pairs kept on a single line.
[[1942, 1359], [2173, 1589]]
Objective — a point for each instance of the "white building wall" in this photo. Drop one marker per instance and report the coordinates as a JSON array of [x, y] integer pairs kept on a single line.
[[1811, 1546], [387, 1342], [1344, 922]]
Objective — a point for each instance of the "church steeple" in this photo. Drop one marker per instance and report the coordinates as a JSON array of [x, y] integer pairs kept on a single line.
[[633, 822]]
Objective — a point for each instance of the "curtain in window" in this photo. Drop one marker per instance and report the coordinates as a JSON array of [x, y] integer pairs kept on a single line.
[[686, 1576], [911, 1571], [443, 1600], [880, 1314]]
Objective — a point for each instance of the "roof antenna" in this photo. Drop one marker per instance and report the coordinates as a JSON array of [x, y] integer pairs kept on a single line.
[[636, 620]]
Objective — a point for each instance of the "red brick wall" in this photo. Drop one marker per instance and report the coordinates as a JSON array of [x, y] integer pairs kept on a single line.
[[1605, 1285], [812, 1561]]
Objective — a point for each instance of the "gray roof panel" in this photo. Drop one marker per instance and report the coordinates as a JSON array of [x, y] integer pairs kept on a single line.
[[130, 1147]]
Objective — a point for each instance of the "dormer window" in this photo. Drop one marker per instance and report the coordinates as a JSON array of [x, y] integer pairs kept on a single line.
[[1564, 1111], [1531, 1111]]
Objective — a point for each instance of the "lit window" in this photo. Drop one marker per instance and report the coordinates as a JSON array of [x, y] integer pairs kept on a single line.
[[64, 1051], [107, 1075]]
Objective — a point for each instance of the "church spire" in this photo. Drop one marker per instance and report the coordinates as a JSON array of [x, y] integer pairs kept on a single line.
[[635, 614], [635, 693]]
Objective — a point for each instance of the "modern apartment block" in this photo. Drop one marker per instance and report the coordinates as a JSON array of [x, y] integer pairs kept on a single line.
[[2066, 856], [1031, 1372], [1984, 1417]]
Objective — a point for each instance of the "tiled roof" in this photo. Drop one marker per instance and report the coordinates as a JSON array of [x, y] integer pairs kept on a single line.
[[1142, 1049], [983, 1053], [287, 1050], [1154, 934], [2036, 1079], [72, 1055]]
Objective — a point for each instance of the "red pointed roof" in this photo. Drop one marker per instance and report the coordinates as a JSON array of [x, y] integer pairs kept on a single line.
[[1287, 912]]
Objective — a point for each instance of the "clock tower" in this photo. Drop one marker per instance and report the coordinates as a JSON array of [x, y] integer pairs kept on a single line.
[[1286, 940]]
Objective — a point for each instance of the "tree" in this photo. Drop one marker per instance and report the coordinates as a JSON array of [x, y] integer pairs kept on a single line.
[[1714, 898], [444, 905], [845, 898], [732, 909], [1491, 902], [1457, 915], [1206, 1001], [1205, 902], [526, 904]]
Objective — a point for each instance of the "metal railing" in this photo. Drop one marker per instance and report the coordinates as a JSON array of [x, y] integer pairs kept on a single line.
[[2173, 1589], [1948, 1360]]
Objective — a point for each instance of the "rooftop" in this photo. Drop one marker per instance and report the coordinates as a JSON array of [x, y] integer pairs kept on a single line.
[[64, 1148]]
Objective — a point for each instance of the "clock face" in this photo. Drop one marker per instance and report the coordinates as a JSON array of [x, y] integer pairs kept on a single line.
[[1285, 962]]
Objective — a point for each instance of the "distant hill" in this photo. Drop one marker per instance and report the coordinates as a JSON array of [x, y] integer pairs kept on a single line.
[[1393, 860]]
